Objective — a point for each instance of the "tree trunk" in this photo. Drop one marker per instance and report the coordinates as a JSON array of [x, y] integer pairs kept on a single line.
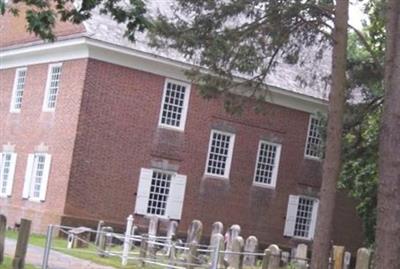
[[388, 226], [332, 162]]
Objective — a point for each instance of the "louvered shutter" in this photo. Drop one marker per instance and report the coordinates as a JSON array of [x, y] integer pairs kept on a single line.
[[291, 215], [314, 219], [176, 197], [11, 174], [45, 178], [143, 192], [28, 176]]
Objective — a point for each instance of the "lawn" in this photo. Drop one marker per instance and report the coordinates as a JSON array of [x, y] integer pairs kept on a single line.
[[8, 262], [60, 244]]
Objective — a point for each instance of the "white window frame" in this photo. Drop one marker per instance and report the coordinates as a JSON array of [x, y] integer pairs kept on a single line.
[[182, 124], [31, 169], [13, 109], [307, 138], [291, 217], [10, 175], [45, 107], [175, 198], [229, 157], [275, 168]]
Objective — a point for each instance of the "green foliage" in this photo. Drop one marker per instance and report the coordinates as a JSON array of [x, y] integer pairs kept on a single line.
[[246, 37], [360, 153], [42, 15]]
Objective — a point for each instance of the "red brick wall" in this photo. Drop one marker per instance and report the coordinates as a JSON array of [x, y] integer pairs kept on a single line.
[[31, 127], [13, 29], [118, 135]]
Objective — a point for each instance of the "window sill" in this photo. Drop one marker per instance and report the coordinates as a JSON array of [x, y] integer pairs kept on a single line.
[[35, 200], [172, 128], [311, 158], [264, 186], [211, 176]]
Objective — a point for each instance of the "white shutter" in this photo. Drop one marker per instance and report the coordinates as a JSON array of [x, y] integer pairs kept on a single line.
[[313, 219], [28, 176], [176, 196], [291, 215], [143, 192], [45, 178], [11, 173]]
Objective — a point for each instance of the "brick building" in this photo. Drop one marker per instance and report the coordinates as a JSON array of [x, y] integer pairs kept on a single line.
[[94, 127]]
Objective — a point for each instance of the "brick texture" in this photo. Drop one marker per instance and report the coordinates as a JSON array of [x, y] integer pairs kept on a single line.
[[31, 127]]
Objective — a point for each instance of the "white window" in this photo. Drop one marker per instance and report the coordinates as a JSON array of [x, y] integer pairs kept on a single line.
[[174, 104], [220, 152], [52, 87], [160, 193], [301, 217], [267, 164], [36, 176], [18, 90], [7, 169], [313, 143]]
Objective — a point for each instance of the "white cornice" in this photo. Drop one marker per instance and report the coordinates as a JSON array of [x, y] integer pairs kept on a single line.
[[84, 47]]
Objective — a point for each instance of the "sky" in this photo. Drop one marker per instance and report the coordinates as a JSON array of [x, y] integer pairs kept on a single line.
[[356, 14]]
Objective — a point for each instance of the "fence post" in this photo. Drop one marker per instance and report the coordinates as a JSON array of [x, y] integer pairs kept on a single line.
[[172, 255], [127, 239], [363, 258], [22, 244], [47, 247], [3, 227], [338, 252], [99, 226]]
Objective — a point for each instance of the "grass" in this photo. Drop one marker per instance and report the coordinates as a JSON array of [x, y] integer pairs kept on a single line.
[[60, 244], [8, 263]]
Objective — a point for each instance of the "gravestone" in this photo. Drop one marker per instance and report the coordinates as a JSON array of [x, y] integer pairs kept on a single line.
[[232, 233], [194, 232], [301, 256], [217, 228], [235, 260], [104, 241], [250, 246], [363, 258], [338, 252], [275, 257], [217, 244], [152, 233], [347, 260], [171, 232]]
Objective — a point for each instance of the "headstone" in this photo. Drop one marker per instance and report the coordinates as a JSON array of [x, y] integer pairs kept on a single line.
[[235, 260], [301, 256], [3, 228], [275, 257], [363, 258], [285, 258], [79, 237], [338, 252], [266, 259], [143, 249], [194, 232], [232, 233], [347, 260], [191, 257], [250, 246], [217, 228], [217, 245], [104, 241], [22, 244], [172, 226], [152, 233]]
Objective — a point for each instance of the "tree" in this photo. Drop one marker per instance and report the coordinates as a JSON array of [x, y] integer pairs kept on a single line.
[[332, 162], [388, 226], [41, 15]]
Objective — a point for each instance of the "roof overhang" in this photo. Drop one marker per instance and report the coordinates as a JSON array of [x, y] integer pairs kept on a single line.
[[81, 47]]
